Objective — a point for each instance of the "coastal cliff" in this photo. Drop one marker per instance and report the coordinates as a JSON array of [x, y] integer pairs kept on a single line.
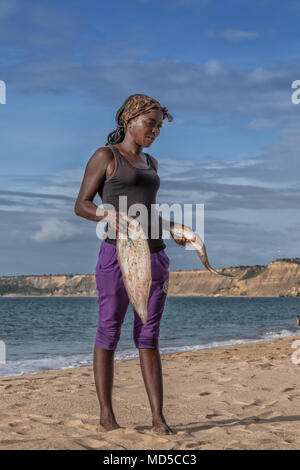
[[280, 278]]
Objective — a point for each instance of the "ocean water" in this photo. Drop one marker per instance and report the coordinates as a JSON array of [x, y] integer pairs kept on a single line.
[[42, 333]]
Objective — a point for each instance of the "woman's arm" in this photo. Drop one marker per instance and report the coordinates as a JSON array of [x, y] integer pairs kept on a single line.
[[94, 177]]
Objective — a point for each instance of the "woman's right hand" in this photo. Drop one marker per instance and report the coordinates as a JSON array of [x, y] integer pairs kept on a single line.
[[122, 223], [117, 220]]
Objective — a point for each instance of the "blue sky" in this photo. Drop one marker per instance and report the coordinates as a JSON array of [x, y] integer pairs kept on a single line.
[[223, 69]]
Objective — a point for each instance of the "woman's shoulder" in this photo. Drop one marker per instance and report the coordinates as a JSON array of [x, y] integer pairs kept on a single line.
[[103, 154], [154, 161]]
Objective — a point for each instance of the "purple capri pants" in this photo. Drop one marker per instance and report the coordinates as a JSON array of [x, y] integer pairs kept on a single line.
[[113, 300]]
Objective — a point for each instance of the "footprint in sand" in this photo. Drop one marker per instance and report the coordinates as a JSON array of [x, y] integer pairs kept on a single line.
[[212, 415], [272, 403], [18, 405], [254, 403], [240, 403], [240, 386], [90, 443], [223, 380], [171, 396], [189, 445], [77, 422], [267, 365], [290, 398], [73, 423], [84, 416], [134, 439]]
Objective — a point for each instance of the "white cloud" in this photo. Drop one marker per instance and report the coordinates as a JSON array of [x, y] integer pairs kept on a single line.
[[213, 67], [53, 230], [205, 89], [261, 124], [232, 35], [263, 75], [244, 162], [213, 166], [244, 181]]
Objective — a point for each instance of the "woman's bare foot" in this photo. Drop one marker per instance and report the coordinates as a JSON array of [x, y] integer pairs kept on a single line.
[[109, 423], [160, 426]]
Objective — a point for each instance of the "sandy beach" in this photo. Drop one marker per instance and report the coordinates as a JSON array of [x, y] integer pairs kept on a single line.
[[235, 397]]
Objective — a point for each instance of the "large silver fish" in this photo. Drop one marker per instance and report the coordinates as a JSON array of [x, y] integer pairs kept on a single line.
[[134, 258], [186, 232]]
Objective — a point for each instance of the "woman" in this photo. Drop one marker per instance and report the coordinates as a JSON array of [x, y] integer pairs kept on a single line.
[[121, 168]]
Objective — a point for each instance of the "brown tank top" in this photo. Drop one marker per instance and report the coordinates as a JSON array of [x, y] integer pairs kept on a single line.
[[140, 185]]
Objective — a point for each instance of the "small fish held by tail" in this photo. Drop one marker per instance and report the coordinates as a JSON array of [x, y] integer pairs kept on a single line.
[[195, 240]]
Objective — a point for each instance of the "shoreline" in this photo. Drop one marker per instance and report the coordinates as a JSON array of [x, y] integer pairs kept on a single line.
[[234, 397], [194, 348], [190, 351]]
